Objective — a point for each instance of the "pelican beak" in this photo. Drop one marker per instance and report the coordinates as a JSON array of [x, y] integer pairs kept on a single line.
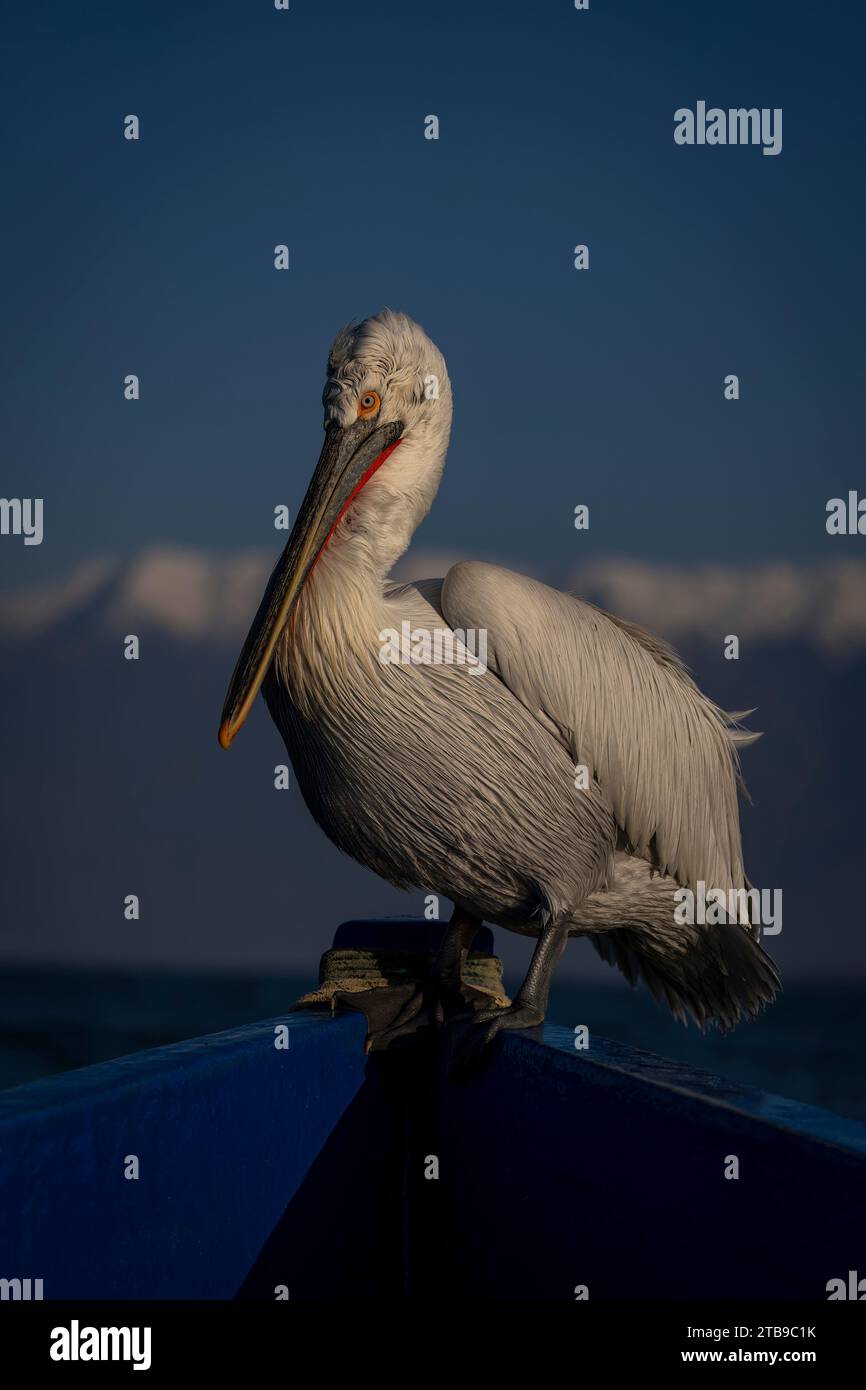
[[349, 458]]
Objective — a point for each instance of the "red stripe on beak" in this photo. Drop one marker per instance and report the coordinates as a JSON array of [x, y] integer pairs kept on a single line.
[[362, 482]]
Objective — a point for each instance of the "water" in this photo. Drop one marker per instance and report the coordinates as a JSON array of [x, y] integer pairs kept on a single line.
[[808, 1046]]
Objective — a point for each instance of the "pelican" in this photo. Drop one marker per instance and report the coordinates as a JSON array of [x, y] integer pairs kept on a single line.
[[466, 780]]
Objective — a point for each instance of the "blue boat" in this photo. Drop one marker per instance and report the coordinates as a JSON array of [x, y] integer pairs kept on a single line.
[[279, 1161]]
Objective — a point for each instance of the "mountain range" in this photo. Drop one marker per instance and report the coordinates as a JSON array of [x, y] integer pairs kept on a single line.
[[115, 784]]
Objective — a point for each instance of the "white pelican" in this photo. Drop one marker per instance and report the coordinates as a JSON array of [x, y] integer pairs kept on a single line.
[[462, 782]]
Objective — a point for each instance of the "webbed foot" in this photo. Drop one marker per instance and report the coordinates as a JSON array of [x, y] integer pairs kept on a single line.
[[433, 1002], [471, 1036]]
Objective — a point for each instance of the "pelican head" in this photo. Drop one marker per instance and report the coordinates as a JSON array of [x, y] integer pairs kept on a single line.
[[387, 402]]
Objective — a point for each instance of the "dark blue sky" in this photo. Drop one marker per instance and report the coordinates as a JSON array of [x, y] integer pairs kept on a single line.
[[604, 387], [306, 127]]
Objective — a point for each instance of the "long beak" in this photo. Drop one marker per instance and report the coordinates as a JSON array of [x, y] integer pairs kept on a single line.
[[348, 459]]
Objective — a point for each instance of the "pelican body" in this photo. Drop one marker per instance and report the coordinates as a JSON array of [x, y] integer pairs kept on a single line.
[[569, 787]]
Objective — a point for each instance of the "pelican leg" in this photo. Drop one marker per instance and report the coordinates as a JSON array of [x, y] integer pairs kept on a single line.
[[439, 995], [448, 963], [527, 1010]]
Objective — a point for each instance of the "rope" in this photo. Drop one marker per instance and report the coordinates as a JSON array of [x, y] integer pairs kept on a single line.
[[356, 971]]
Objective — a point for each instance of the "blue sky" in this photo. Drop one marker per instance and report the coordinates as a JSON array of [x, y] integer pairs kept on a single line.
[[306, 127], [603, 387]]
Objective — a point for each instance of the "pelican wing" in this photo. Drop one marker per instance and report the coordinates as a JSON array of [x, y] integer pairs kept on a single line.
[[625, 707]]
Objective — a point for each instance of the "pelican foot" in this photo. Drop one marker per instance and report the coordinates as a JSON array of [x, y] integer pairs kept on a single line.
[[434, 1002], [471, 1037], [423, 1009]]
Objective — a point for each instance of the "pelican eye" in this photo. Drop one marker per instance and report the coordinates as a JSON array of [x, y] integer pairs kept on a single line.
[[369, 404]]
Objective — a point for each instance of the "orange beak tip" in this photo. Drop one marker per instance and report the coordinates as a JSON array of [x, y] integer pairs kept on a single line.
[[226, 734]]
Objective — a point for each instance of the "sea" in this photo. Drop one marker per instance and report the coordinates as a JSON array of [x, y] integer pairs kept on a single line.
[[809, 1045]]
